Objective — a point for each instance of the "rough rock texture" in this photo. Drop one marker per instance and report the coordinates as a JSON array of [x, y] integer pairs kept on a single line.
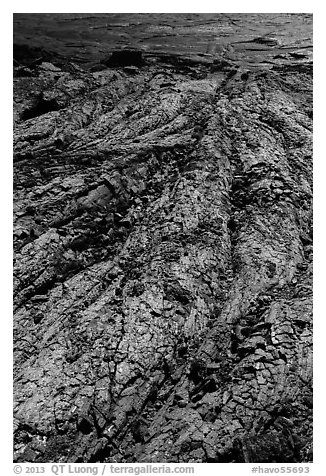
[[163, 242]]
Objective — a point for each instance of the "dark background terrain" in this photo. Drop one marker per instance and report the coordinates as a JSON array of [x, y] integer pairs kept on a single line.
[[89, 37]]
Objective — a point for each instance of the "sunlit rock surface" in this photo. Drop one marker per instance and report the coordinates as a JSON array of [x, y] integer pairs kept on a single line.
[[163, 240]]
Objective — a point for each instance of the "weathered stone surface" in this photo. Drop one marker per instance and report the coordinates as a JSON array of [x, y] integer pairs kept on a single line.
[[163, 263]]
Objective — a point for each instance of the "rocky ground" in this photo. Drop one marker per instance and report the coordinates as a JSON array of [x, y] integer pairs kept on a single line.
[[163, 254]]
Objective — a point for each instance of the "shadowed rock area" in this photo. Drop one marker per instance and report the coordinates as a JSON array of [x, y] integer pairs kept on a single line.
[[163, 241]]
